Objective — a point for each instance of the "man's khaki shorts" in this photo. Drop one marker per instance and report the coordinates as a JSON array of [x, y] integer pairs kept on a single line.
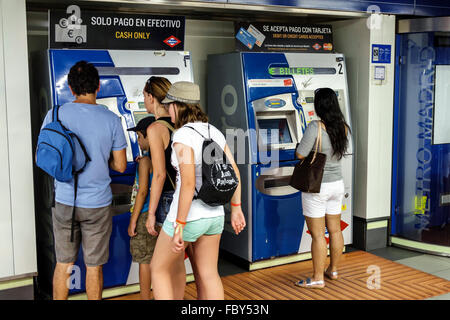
[[143, 244], [92, 229]]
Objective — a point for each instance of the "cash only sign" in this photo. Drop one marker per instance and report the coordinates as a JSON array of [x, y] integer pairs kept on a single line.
[[82, 29]]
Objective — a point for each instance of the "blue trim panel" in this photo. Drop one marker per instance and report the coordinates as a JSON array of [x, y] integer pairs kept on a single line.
[[395, 135], [278, 221], [256, 66], [400, 7]]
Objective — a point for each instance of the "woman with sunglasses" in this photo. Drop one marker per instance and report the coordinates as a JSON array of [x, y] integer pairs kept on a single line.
[[324, 209]]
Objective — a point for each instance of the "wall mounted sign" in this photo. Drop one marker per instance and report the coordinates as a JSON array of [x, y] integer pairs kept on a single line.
[[381, 53], [82, 29], [291, 71], [270, 37]]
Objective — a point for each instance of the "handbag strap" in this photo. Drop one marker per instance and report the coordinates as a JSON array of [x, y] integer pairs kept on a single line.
[[318, 142]]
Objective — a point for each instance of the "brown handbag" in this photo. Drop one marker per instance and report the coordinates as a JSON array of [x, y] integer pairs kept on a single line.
[[308, 173]]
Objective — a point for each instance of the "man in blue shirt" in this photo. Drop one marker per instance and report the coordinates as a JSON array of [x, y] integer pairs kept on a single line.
[[101, 132]]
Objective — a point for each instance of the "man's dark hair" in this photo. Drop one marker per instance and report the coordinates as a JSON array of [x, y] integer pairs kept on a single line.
[[144, 132], [83, 78]]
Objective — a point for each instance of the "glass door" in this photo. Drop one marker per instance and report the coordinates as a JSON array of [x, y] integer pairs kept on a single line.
[[421, 168]]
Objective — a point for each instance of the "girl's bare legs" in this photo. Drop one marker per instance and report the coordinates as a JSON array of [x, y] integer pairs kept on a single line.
[[206, 255], [166, 284]]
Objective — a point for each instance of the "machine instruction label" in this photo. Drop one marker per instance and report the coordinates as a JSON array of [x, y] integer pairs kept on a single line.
[[270, 83], [82, 29]]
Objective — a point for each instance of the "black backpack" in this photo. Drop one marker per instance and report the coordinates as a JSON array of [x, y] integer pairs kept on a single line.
[[219, 180]]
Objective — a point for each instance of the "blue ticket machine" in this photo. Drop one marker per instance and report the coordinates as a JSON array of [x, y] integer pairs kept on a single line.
[[263, 102], [122, 78]]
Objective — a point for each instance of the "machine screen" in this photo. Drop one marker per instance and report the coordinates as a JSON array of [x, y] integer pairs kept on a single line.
[[139, 115], [309, 99], [267, 125]]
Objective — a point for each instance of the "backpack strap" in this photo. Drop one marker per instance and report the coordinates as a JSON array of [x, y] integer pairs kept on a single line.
[[55, 113], [199, 132], [76, 173], [196, 196], [83, 148]]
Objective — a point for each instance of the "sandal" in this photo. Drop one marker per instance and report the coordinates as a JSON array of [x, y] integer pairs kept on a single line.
[[310, 284], [331, 275]]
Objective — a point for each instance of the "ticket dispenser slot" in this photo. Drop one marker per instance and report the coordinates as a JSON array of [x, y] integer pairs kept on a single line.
[[275, 182]]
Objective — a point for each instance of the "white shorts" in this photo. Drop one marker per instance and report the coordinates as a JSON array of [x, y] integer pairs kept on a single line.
[[328, 201]]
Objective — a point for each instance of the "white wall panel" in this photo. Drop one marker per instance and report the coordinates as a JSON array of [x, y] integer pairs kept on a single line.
[[352, 39], [380, 134], [19, 150], [6, 248], [372, 106], [441, 132]]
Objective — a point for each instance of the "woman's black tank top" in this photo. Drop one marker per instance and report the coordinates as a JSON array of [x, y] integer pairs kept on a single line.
[[167, 154]]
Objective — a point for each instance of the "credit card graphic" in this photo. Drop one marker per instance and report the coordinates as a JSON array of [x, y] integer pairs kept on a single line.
[[246, 38], [257, 34]]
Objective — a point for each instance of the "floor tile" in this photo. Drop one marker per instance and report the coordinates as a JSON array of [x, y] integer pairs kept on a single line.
[[443, 274], [443, 297], [426, 263], [394, 254]]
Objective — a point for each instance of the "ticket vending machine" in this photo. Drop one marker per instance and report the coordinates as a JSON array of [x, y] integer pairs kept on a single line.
[[263, 102], [122, 78]]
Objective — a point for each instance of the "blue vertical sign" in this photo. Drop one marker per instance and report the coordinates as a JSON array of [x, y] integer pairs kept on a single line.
[[381, 53]]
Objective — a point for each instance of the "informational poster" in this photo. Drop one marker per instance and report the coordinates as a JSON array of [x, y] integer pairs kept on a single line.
[[81, 29], [274, 37], [381, 53]]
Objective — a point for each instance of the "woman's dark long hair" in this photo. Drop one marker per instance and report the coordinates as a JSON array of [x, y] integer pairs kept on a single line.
[[327, 108]]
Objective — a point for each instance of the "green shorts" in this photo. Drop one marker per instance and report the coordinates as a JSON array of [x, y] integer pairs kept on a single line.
[[143, 244], [197, 228]]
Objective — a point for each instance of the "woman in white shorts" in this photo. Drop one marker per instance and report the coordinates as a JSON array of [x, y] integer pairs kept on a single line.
[[324, 209]]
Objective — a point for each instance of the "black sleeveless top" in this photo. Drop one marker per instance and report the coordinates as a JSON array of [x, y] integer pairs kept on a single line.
[[167, 154]]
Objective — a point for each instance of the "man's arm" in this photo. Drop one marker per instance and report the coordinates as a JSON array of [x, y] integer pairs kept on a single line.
[[118, 160]]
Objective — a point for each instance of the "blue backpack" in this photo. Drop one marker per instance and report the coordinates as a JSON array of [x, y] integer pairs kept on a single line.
[[55, 154]]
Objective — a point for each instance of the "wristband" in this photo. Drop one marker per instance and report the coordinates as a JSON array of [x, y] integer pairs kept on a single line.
[[235, 205], [180, 222], [179, 229]]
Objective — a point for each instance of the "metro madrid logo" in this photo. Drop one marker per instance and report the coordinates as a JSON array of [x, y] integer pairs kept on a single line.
[[172, 41]]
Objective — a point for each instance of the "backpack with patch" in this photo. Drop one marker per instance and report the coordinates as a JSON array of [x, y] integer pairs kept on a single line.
[[55, 154], [219, 180]]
